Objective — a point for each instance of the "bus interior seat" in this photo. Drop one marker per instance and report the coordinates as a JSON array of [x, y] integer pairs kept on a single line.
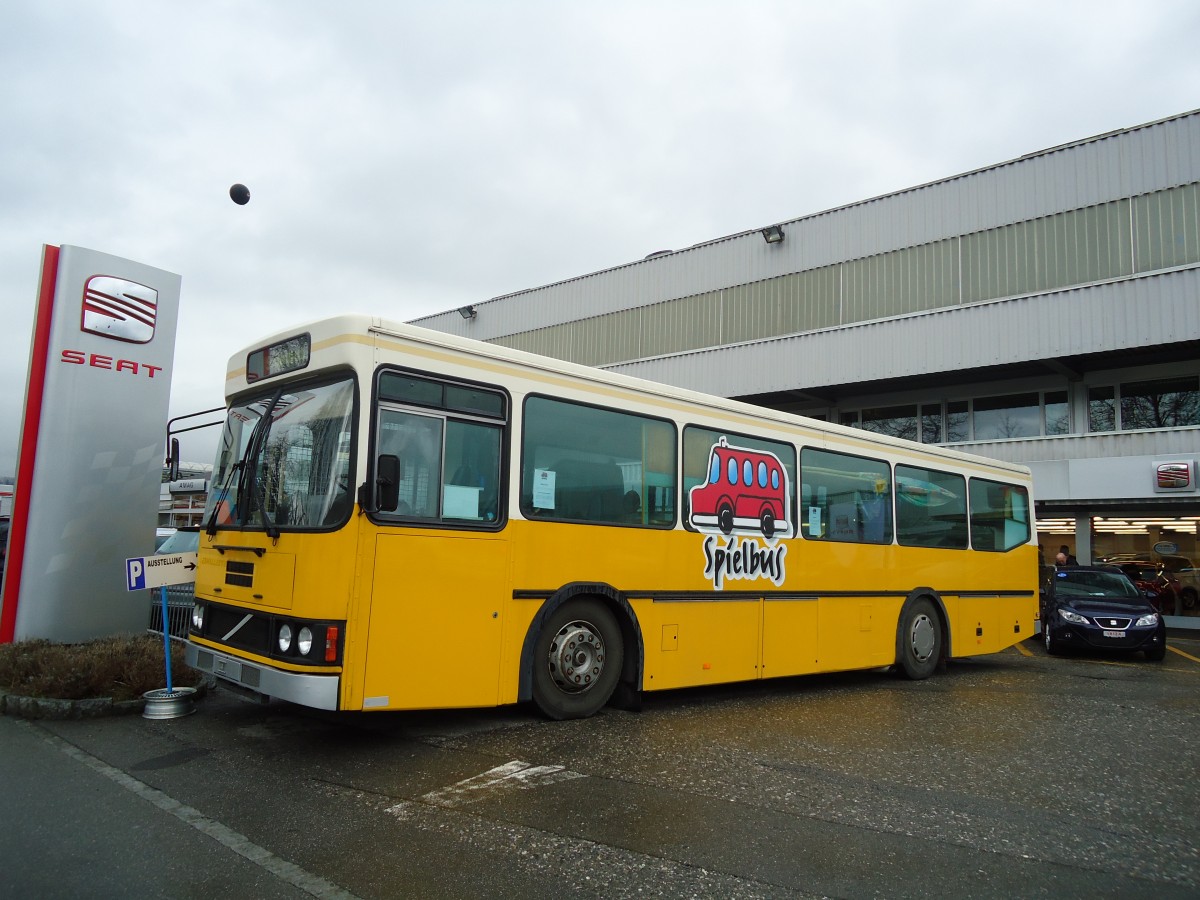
[[589, 491]]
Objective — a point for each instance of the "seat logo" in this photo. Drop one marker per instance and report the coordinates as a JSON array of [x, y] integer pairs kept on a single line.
[[119, 309], [1173, 476]]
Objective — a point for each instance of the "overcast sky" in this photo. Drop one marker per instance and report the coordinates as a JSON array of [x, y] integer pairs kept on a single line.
[[406, 158]]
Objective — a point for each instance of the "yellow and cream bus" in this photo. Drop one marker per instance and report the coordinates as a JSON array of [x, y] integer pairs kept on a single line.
[[403, 519]]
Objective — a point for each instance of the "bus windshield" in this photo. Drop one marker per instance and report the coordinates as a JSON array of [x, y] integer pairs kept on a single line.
[[284, 461]]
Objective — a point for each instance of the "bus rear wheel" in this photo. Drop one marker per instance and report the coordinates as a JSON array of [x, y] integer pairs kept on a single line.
[[577, 660], [919, 639]]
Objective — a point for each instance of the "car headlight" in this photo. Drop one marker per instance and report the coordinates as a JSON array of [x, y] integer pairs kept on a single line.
[[285, 637], [304, 640], [198, 616], [1149, 619], [1073, 617]]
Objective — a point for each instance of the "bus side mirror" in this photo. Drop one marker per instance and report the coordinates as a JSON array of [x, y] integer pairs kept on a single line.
[[173, 461], [387, 482]]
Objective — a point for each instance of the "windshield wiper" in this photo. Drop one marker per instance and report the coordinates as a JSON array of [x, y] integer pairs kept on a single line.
[[244, 468], [211, 527], [249, 476]]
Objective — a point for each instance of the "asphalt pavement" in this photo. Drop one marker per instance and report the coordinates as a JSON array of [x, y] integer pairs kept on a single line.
[[1017, 774]]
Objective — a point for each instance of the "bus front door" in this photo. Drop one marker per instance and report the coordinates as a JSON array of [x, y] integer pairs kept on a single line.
[[436, 621]]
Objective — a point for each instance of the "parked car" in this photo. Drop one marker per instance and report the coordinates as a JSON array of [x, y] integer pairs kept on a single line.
[[1157, 584], [1187, 577], [1189, 587], [1182, 571], [180, 597], [161, 535], [1098, 607]]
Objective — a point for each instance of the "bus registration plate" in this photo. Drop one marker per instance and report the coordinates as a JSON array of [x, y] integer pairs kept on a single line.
[[227, 668], [1114, 634]]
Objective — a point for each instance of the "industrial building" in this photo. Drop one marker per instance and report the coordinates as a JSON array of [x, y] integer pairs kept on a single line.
[[1043, 310]]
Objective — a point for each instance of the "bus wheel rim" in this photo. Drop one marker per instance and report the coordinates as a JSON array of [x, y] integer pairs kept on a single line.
[[576, 657], [923, 637]]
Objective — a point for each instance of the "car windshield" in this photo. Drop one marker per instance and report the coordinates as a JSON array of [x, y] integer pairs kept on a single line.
[[284, 461], [1107, 585], [181, 542]]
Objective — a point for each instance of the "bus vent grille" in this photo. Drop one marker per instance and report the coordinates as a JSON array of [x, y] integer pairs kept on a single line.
[[239, 574]]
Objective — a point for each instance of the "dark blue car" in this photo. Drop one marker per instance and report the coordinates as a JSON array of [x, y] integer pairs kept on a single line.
[[1091, 607]]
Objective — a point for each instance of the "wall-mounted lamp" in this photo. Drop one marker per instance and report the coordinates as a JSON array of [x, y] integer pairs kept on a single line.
[[467, 312], [773, 234]]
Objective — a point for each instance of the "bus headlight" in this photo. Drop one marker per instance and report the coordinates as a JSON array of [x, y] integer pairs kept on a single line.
[[198, 616], [285, 637], [304, 640]]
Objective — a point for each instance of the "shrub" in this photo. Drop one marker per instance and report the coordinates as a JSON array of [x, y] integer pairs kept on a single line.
[[122, 667]]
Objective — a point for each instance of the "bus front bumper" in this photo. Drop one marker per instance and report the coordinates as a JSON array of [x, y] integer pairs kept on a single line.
[[316, 691]]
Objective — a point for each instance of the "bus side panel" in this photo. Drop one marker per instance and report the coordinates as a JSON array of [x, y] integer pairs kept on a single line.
[[436, 620], [791, 634], [991, 623], [699, 642], [857, 632]]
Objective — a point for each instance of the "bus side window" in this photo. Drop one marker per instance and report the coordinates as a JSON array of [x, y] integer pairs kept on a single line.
[[999, 515], [846, 498], [471, 491], [931, 508], [592, 464]]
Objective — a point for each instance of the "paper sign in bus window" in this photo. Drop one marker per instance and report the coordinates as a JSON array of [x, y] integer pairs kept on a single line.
[[543, 488]]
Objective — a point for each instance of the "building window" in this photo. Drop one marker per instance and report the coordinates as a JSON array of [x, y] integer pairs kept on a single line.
[[1010, 416], [958, 422], [1057, 412], [1165, 403], [1102, 409], [894, 421], [931, 424]]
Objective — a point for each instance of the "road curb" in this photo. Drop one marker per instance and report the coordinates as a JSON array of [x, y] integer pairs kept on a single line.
[[90, 708]]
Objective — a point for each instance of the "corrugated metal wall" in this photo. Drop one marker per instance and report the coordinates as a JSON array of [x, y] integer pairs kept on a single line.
[[1105, 208], [1143, 311]]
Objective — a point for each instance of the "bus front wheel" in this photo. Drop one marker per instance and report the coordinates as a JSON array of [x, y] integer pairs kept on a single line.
[[577, 660], [919, 639]]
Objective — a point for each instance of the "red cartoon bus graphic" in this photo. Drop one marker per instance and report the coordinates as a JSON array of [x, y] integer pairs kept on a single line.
[[746, 491]]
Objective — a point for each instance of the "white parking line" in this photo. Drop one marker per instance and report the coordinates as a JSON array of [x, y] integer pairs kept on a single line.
[[238, 843], [515, 775]]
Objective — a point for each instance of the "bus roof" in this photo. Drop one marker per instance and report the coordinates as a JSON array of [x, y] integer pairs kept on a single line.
[[358, 328]]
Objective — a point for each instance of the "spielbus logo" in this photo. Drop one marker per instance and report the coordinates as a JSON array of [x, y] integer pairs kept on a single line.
[[745, 497], [119, 309]]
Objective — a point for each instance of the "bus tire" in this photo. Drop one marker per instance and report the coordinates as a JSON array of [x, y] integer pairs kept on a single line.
[[725, 518], [577, 660], [919, 639]]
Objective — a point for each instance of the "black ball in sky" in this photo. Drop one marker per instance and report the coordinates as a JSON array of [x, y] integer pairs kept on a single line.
[[239, 194]]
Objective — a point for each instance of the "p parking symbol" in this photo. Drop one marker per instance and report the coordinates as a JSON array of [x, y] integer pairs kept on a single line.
[[135, 573]]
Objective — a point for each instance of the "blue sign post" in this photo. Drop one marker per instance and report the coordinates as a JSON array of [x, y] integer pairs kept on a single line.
[[159, 571]]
